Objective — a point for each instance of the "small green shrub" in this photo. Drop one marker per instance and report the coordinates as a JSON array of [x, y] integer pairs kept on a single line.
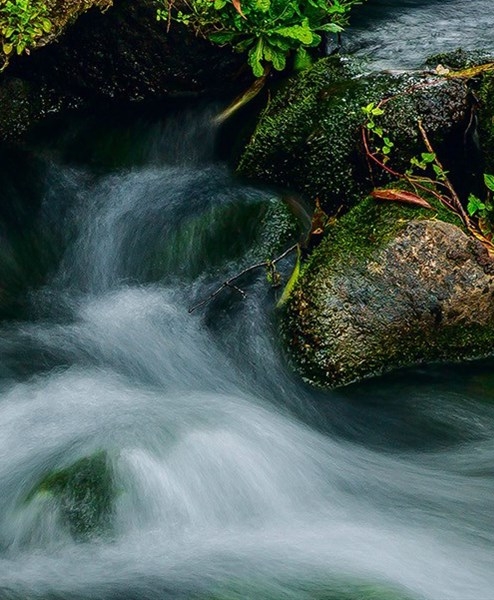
[[268, 30], [483, 210], [22, 24]]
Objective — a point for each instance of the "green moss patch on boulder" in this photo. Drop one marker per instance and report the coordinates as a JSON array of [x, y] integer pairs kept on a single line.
[[486, 120], [309, 137], [85, 492], [390, 286]]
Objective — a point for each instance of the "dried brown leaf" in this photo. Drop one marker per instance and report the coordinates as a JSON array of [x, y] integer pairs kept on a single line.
[[403, 196]]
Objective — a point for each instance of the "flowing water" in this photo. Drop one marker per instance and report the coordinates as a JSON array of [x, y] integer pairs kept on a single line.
[[229, 478], [397, 34]]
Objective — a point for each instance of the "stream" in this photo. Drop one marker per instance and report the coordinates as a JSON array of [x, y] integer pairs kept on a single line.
[[231, 479]]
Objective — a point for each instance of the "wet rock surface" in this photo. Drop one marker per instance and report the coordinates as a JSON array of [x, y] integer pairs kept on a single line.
[[309, 137], [409, 290]]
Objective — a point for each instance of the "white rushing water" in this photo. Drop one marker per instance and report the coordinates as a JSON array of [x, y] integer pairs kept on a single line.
[[231, 479], [401, 34]]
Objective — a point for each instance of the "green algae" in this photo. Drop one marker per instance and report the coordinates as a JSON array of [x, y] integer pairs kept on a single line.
[[85, 492]]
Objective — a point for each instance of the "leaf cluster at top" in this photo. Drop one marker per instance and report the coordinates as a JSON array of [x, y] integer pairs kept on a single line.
[[268, 30], [22, 24]]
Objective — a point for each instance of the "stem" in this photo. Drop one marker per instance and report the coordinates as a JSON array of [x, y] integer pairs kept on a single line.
[[452, 192], [229, 282]]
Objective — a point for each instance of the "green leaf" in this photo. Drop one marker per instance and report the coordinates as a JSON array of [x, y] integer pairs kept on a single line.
[[46, 25], [255, 58], [302, 33], [263, 5], [475, 205], [330, 28], [489, 181], [275, 56], [302, 60], [428, 157], [222, 37]]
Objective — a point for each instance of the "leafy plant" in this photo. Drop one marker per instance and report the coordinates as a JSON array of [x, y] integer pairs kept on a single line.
[[483, 210], [22, 24], [372, 111], [268, 30], [425, 176]]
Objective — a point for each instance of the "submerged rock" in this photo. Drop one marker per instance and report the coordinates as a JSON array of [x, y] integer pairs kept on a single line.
[[390, 287], [309, 137], [85, 493]]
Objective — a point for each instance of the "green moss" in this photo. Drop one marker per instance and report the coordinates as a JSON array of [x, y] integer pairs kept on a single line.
[[459, 59], [368, 227], [486, 120], [309, 137], [85, 492]]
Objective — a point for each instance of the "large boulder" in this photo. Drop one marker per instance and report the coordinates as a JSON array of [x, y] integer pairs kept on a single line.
[[390, 286], [309, 137]]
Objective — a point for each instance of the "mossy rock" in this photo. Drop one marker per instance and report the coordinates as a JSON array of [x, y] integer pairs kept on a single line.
[[460, 59], [486, 120], [85, 492], [309, 137], [390, 286], [244, 231]]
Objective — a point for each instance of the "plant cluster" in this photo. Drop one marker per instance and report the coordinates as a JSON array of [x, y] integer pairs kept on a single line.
[[22, 24], [268, 30], [426, 176], [483, 210]]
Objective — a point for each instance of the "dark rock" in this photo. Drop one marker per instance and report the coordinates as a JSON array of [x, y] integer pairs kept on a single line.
[[390, 287], [486, 121], [309, 137], [122, 55]]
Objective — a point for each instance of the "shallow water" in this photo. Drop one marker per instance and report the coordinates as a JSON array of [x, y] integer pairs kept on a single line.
[[232, 479]]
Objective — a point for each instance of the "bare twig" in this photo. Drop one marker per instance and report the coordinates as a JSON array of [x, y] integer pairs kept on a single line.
[[229, 282], [452, 192]]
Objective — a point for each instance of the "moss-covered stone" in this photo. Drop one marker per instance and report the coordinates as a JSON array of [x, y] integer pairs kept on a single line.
[[390, 286], [309, 137], [460, 59], [486, 120], [85, 492]]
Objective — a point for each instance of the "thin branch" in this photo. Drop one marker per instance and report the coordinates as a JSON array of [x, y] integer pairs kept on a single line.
[[452, 192], [229, 282]]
